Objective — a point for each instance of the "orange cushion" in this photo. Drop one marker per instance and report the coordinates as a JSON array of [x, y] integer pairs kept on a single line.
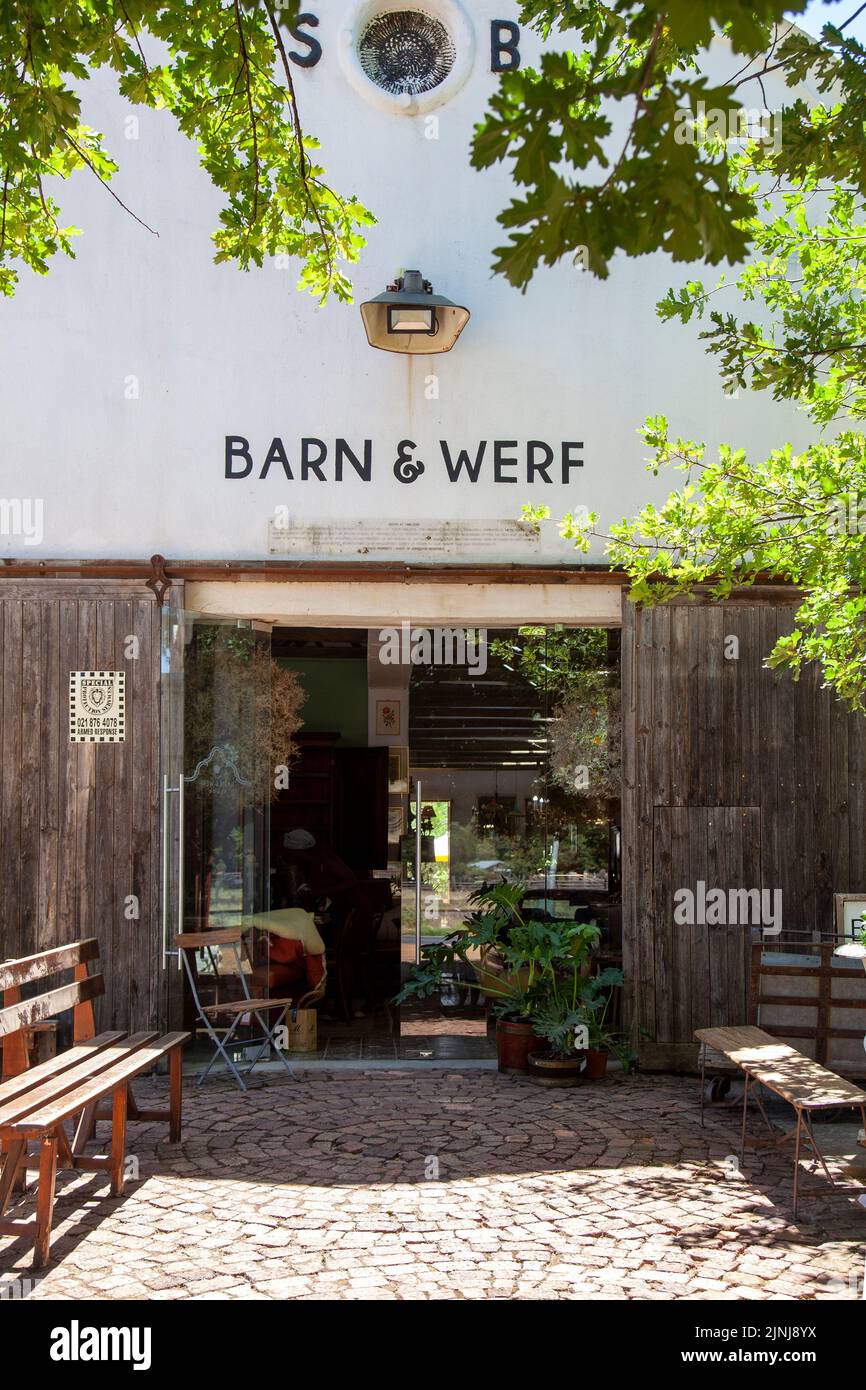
[[289, 964], [284, 951]]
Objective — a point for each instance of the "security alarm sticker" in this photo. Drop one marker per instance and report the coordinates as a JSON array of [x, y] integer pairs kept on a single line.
[[97, 706]]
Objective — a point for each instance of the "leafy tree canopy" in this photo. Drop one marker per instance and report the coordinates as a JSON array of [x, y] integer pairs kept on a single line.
[[221, 68], [664, 182], [553, 659], [786, 203]]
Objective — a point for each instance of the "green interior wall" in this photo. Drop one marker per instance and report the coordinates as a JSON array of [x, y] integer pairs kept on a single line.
[[336, 698]]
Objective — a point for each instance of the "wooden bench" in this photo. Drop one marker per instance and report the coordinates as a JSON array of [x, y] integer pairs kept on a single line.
[[802, 1082], [37, 1102], [77, 995]]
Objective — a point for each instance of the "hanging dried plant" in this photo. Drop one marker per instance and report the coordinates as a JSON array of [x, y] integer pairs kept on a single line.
[[238, 700], [586, 737]]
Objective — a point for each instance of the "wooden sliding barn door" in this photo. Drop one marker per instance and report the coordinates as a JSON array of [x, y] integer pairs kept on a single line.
[[79, 822], [737, 775], [701, 971]]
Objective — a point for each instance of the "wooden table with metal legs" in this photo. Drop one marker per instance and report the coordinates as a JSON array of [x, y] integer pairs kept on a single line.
[[799, 1080]]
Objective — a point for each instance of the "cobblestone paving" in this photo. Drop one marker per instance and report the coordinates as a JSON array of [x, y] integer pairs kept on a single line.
[[430, 1184]]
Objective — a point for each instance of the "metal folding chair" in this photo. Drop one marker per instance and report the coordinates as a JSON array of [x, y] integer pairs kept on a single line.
[[189, 944]]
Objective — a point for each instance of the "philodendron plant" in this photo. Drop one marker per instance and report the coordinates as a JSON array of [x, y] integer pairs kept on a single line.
[[487, 929], [596, 998], [574, 1021], [564, 1027], [537, 971]]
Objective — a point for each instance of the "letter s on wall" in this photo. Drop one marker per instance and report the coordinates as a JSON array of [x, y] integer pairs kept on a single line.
[[306, 60]]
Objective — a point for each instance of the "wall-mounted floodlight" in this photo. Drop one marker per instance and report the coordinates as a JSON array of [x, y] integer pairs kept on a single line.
[[409, 317]]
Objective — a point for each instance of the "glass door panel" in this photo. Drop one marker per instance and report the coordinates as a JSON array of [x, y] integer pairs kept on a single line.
[[215, 784]]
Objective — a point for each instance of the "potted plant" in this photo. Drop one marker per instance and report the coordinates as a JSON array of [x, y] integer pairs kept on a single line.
[[541, 961], [602, 1041], [503, 971], [565, 1030], [544, 963], [516, 1035], [572, 1019], [482, 945], [517, 964]]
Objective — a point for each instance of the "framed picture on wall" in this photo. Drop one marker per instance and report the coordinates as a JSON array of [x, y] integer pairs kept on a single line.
[[388, 719], [398, 771], [850, 913]]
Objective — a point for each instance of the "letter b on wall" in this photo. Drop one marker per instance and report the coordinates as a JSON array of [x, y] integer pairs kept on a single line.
[[504, 38]]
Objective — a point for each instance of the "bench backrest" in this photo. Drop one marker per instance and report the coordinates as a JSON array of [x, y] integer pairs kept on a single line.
[[17, 1014]]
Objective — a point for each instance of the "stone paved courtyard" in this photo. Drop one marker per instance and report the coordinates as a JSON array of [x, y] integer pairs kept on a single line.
[[437, 1184]]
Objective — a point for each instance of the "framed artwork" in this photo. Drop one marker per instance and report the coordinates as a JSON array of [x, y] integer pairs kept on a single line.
[[850, 913], [396, 824], [398, 771], [388, 718]]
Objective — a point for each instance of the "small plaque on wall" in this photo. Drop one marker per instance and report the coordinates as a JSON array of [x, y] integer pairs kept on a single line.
[[97, 706]]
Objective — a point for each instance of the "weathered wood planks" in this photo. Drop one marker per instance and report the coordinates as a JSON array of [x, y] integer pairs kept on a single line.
[[737, 775], [79, 823]]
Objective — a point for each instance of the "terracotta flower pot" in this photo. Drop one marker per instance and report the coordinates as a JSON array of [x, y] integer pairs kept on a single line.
[[596, 1064], [514, 1042], [556, 1071]]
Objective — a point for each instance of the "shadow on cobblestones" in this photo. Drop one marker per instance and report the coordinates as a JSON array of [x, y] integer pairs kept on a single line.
[[449, 1185]]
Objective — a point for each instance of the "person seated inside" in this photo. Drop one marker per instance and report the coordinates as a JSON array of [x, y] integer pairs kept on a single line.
[[308, 870]]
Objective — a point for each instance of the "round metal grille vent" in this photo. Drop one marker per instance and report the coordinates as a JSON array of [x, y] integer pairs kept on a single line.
[[406, 51]]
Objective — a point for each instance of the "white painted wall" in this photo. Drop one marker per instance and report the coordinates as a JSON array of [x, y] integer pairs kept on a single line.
[[218, 352]]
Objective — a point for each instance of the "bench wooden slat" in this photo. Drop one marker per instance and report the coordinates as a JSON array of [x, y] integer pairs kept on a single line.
[[805, 1083], [26, 969], [84, 1070], [731, 1040], [42, 1121], [28, 1080], [55, 1001]]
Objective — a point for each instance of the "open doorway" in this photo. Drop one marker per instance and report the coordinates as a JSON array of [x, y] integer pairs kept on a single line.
[[329, 841], [514, 773], [422, 771]]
